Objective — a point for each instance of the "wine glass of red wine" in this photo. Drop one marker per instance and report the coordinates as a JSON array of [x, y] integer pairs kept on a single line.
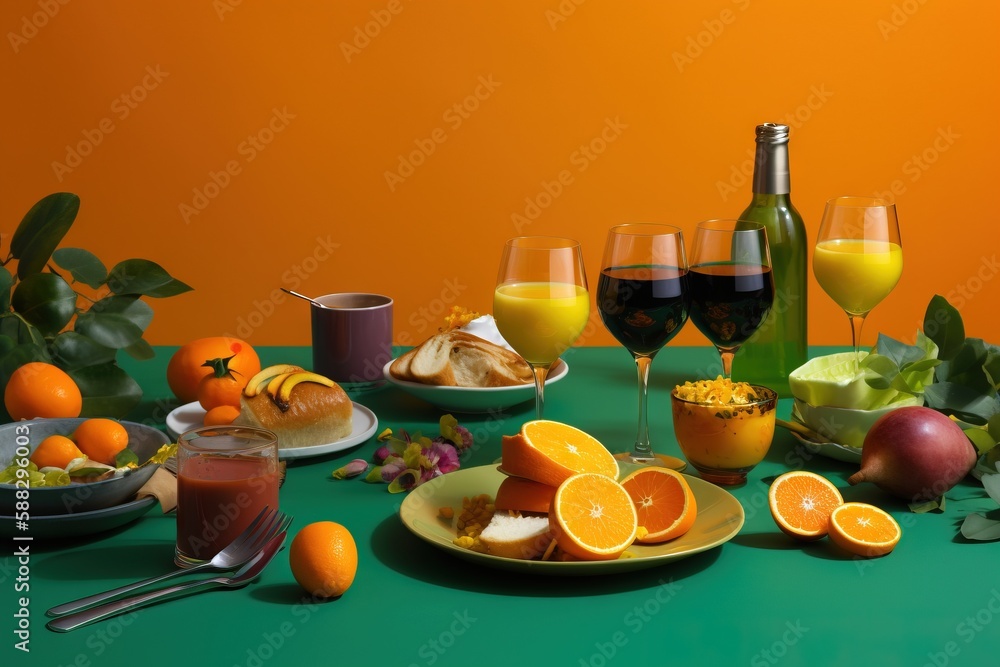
[[731, 284], [642, 297]]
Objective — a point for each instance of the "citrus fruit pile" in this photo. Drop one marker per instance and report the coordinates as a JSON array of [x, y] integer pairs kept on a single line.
[[808, 507], [99, 440], [213, 371], [561, 473]]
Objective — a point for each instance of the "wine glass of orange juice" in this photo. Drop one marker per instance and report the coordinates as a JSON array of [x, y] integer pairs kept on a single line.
[[858, 256], [541, 304]]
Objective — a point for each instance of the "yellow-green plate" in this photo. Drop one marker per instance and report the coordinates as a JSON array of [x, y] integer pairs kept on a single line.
[[720, 517]]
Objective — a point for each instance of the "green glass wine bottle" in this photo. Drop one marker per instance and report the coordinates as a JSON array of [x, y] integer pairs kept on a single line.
[[781, 344]]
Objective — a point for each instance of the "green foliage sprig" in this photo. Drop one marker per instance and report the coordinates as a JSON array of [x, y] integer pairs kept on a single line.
[[43, 318]]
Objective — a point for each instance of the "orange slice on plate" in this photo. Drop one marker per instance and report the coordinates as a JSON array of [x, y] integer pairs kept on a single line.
[[801, 503], [664, 503], [593, 517], [524, 495], [549, 452], [864, 530]]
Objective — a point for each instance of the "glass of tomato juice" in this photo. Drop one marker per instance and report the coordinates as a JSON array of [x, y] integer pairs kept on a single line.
[[225, 476]]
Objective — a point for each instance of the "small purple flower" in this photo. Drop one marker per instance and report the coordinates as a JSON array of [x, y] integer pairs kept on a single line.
[[352, 469], [381, 454], [441, 457], [392, 468]]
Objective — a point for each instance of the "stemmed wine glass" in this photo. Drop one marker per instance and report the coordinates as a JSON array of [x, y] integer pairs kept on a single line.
[[858, 257], [643, 300], [732, 288], [541, 304]]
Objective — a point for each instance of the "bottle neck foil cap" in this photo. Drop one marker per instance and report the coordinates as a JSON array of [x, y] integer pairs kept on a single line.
[[770, 172]]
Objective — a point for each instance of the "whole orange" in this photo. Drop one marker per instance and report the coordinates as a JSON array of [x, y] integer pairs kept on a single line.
[[55, 451], [186, 367], [38, 389], [324, 559], [221, 415], [101, 439]]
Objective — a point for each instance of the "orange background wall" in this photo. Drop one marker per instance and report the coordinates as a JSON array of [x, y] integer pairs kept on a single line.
[[142, 107]]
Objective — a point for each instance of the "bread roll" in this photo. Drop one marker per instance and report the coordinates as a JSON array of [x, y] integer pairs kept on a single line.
[[316, 415]]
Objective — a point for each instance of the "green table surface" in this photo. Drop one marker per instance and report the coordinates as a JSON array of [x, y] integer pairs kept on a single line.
[[760, 599]]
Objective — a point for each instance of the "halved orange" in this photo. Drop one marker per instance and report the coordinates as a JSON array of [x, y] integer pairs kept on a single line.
[[864, 530], [549, 452], [664, 503], [801, 503], [593, 517], [524, 495]]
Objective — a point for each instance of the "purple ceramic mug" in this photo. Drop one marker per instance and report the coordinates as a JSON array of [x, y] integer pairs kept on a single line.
[[352, 338]]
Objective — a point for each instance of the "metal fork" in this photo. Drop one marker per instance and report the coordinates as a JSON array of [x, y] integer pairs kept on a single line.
[[266, 525]]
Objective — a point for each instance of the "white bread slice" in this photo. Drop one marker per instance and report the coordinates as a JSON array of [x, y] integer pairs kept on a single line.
[[459, 359], [512, 536]]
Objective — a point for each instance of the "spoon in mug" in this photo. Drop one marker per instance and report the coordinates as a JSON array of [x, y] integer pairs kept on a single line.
[[306, 298]]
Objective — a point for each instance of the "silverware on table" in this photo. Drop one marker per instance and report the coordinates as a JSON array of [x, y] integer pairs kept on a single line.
[[244, 576], [263, 528]]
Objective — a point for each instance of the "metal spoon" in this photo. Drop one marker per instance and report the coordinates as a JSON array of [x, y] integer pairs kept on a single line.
[[306, 298], [247, 573]]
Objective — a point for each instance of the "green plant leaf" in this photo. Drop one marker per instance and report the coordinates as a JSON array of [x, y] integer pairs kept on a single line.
[[140, 350], [108, 391], [993, 427], [943, 324], [992, 485], [45, 301], [978, 527], [20, 331], [109, 329], [6, 344], [6, 282], [71, 350], [983, 441], [41, 230], [125, 457], [879, 370], [131, 307], [82, 264], [899, 352], [141, 276], [963, 402]]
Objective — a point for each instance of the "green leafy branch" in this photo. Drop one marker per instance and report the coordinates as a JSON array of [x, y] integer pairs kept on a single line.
[[43, 318]]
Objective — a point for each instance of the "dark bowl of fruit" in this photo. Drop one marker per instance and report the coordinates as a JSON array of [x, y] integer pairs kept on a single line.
[[51, 467]]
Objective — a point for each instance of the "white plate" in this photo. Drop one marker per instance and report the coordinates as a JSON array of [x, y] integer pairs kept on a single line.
[[192, 415], [474, 400]]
